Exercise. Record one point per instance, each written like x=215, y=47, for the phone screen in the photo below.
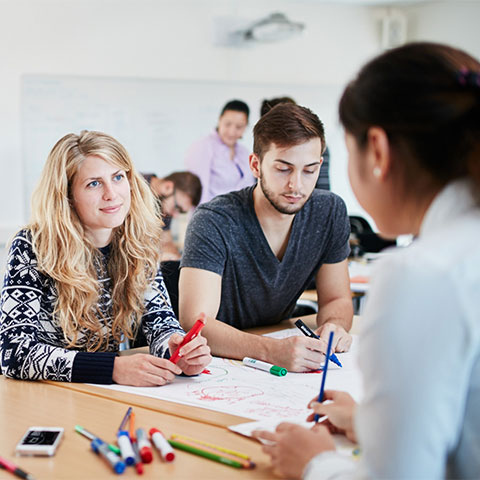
x=40, y=437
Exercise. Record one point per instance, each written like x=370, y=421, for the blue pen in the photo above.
x=123, y=440
x=310, y=333
x=101, y=448
x=324, y=376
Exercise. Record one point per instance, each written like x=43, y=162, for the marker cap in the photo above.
x=279, y=371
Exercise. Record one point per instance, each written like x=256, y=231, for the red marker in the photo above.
x=162, y=444
x=193, y=332
x=144, y=446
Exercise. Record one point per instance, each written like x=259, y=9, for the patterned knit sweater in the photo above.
x=32, y=344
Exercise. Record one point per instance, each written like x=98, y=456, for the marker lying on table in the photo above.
x=144, y=446
x=266, y=367
x=162, y=445
x=133, y=439
x=324, y=376
x=91, y=436
x=12, y=468
x=192, y=333
x=101, y=448
x=124, y=442
x=310, y=333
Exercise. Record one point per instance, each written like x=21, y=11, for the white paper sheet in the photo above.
x=342, y=443
x=233, y=388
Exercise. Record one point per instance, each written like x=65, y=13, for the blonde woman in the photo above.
x=84, y=274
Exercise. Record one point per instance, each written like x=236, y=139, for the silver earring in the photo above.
x=377, y=171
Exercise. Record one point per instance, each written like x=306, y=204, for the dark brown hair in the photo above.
x=188, y=183
x=236, y=106
x=267, y=105
x=426, y=97
x=286, y=125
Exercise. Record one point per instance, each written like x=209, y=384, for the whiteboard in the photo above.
x=155, y=119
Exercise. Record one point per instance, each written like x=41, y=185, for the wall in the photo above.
x=174, y=39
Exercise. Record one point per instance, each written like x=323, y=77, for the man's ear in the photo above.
x=166, y=188
x=378, y=152
x=254, y=162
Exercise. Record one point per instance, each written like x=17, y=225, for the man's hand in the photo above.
x=340, y=411
x=293, y=446
x=298, y=354
x=143, y=370
x=195, y=355
x=342, y=340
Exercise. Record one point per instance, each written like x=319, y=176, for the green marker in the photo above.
x=266, y=367
x=91, y=436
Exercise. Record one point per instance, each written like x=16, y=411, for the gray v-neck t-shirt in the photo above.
x=225, y=237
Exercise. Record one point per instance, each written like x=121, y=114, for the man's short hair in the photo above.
x=267, y=105
x=188, y=183
x=286, y=125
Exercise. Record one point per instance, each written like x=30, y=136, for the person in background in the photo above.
x=178, y=193
x=84, y=274
x=248, y=255
x=412, y=122
x=323, y=181
x=218, y=159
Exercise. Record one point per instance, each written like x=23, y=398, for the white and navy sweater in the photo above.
x=32, y=344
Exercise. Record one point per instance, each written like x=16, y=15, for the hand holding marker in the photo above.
x=192, y=333
x=309, y=333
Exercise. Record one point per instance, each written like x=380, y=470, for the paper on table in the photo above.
x=233, y=388
x=342, y=443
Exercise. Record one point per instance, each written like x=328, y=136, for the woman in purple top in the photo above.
x=218, y=159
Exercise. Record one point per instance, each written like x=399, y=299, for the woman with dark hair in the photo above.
x=412, y=121
x=218, y=159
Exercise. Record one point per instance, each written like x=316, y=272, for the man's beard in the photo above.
x=285, y=209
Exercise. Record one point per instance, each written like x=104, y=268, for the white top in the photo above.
x=420, y=355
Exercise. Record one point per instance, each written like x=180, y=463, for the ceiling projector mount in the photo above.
x=275, y=27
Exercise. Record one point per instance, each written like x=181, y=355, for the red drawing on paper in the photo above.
x=230, y=394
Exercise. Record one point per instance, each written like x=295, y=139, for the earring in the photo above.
x=377, y=171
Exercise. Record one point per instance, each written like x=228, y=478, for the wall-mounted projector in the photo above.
x=237, y=32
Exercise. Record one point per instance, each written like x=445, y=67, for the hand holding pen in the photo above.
x=310, y=333
x=191, y=352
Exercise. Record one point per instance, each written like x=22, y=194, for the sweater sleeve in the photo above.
x=29, y=338
x=159, y=322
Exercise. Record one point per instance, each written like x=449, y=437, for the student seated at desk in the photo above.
x=412, y=121
x=84, y=273
x=248, y=255
x=177, y=193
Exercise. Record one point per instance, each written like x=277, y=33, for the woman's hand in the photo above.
x=293, y=446
x=195, y=355
x=143, y=370
x=340, y=413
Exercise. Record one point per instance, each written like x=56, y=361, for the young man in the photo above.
x=179, y=192
x=249, y=254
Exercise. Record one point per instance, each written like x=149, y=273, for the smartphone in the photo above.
x=40, y=441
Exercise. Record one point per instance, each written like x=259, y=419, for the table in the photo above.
x=24, y=404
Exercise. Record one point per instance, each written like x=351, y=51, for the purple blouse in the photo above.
x=209, y=158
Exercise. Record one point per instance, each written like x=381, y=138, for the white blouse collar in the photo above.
x=456, y=199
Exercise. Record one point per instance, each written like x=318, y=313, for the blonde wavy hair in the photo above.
x=66, y=255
